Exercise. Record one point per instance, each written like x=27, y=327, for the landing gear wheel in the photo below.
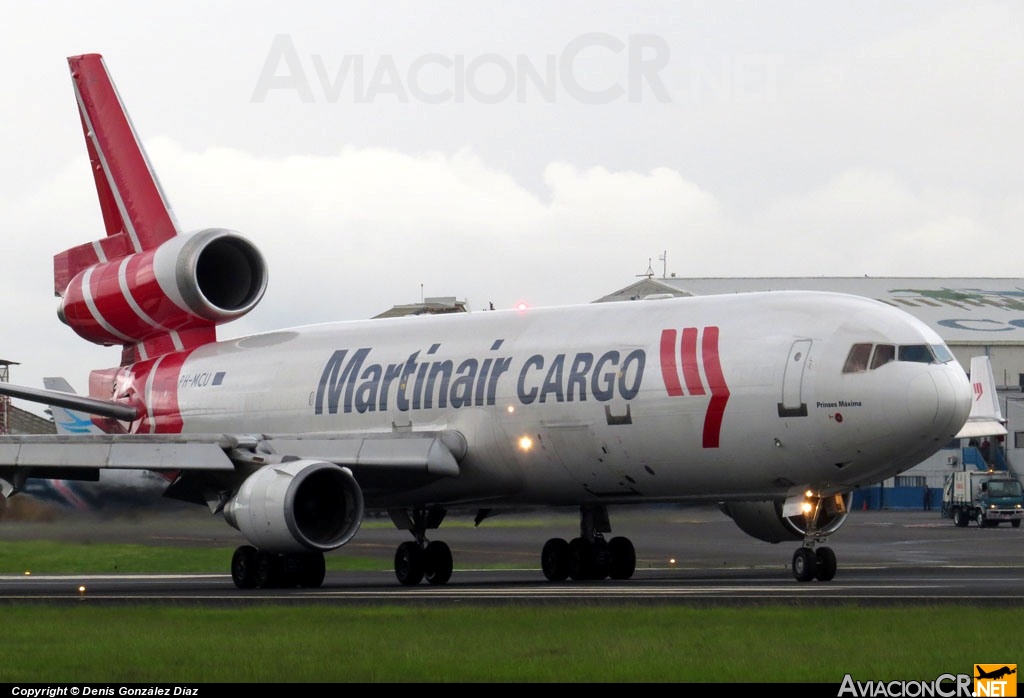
x=804, y=564
x=623, y=562
x=825, y=569
x=268, y=568
x=311, y=570
x=409, y=563
x=243, y=567
x=437, y=562
x=582, y=561
x=554, y=560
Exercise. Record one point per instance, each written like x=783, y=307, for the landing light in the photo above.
x=525, y=443
x=510, y=409
x=806, y=507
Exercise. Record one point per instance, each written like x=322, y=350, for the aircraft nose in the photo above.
x=955, y=396
x=938, y=399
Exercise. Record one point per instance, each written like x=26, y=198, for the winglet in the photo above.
x=135, y=210
x=986, y=418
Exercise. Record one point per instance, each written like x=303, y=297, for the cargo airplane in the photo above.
x=775, y=406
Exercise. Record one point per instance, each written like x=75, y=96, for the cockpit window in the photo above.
x=884, y=353
x=857, y=360
x=863, y=357
x=919, y=353
x=942, y=353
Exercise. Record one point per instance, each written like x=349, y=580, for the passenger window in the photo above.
x=857, y=360
x=884, y=353
x=919, y=353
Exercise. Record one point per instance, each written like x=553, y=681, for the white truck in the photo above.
x=987, y=498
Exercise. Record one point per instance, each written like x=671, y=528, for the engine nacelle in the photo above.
x=298, y=506
x=774, y=522
x=191, y=281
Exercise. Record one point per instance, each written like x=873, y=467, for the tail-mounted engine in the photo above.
x=797, y=518
x=188, y=282
x=299, y=506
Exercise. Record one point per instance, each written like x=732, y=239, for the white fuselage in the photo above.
x=726, y=397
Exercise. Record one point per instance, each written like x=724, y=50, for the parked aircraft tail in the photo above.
x=986, y=418
x=67, y=420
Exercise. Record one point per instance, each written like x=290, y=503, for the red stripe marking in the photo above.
x=157, y=381
x=719, y=390
x=688, y=354
x=669, y=372
x=164, y=391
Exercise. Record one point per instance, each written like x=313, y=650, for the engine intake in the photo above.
x=298, y=506
x=198, y=280
x=768, y=520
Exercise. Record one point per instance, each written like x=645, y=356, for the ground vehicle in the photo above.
x=984, y=496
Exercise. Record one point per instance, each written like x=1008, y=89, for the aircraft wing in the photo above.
x=370, y=456
x=136, y=451
x=433, y=453
x=59, y=398
x=429, y=454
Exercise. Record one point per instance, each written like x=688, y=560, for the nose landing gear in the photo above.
x=808, y=562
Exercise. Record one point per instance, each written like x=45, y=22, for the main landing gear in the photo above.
x=589, y=556
x=416, y=560
x=252, y=568
x=810, y=563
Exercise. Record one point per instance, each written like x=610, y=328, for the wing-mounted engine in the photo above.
x=298, y=506
x=780, y=520
x=189, y=282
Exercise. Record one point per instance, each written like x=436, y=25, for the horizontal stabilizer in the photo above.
x=56, y=398
x=976, y=429
x=986, y=418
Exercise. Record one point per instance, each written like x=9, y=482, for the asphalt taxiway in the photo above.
x=684, y=555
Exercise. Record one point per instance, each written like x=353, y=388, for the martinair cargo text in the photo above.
x=775, y=405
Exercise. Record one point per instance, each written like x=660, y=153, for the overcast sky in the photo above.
x=546, y=152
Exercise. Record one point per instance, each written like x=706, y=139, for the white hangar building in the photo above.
x=975, y=317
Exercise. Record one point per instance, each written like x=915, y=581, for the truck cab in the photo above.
x=987, y=498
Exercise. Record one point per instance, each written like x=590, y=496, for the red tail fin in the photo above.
x=145, y=286
x=135, y=210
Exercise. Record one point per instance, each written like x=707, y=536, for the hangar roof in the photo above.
x=961, y=310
